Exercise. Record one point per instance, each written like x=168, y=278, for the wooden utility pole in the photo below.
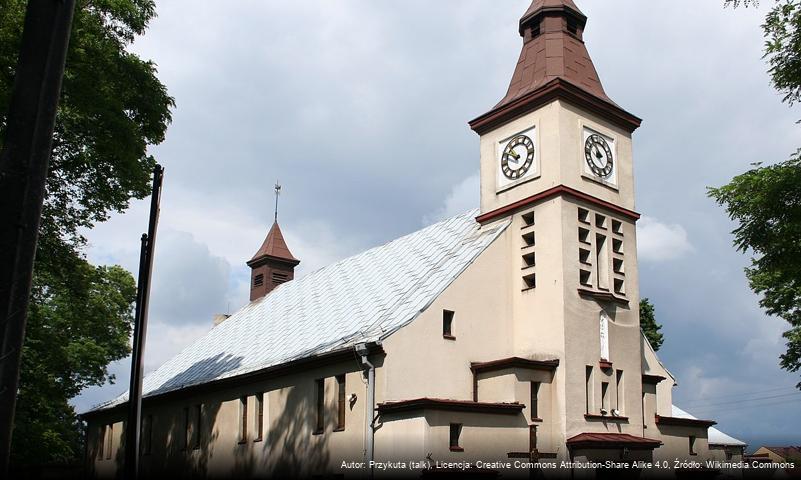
x=24, y=164
x=133, y=425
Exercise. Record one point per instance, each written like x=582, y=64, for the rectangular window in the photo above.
x=692, y=445
x=447, y=324
x=101, y=442
x=456, y=432
x=604, y=397
x=198, y=425
x=588, y=389
x=532, y=438
x=147, y=435
x=535, y=393
x=259, y=416
x=243, y=419
x=602, y=261
x=619, y=390
x=109, y=440
x=258, y=280
x=319, y=387
x=341, y=402
x=187, y=430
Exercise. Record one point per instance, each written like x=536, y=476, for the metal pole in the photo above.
x=133, y=425
x=24, y=163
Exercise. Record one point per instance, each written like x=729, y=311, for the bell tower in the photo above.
x=273, y=264
x=536, y=137
x=556, y=159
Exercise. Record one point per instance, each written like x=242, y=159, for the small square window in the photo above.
x=529, y=239
x=584, y=235
x=584, y=256
x=528, y=219
x=447, y=324
x=456, y=432
x=600, y=221
x=529, y=260
x=583, y=215
x=530, y=281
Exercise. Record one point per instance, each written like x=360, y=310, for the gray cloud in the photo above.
x=360, y=109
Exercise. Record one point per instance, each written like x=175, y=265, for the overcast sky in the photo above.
x=360, y=109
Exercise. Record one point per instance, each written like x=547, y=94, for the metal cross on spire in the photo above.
x=277, y=193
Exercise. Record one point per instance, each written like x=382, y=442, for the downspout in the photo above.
x=369, y=426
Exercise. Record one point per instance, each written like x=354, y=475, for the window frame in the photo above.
x=243, y=419
x=259, y=424
x=319, y=391
x=341, y=401
x=447, y=324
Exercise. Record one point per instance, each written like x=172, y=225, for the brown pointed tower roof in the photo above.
x=554, y=63
x=274, y=247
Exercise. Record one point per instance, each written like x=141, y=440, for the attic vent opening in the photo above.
x=279, y=278
x=258, y=280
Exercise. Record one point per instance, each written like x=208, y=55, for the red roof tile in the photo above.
x=554, y=53
x=274, y=246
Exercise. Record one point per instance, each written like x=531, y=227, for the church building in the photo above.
x=508, y=333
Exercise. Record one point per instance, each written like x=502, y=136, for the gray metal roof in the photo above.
x=363, y=298
x=715, y=436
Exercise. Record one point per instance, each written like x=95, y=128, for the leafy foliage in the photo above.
x=648, y=324
x=766, y=201
x=112, y=107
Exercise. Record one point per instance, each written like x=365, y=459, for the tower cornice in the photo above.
x=556, y=89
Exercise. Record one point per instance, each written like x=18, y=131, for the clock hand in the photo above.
x=514, y=155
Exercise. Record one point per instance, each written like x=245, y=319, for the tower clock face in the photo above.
x=599, y=156
x=517, y=157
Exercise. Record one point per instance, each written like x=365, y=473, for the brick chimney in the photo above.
x=272, y=265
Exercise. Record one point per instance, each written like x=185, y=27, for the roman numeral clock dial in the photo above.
x=598, y=155
x=517, y=157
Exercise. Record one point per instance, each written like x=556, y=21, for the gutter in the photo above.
x=369, y=425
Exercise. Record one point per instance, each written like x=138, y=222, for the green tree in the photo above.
x=765, y=201
x=112, y=108
x=648, y=324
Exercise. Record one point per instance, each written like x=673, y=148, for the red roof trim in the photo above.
x=514, y=362
x=450, y=405
x=684, y=422
x=552, y=192
x=557, y=88
x=611, y=440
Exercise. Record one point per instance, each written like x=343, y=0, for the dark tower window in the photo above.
x=258, y=280
x=572, y=25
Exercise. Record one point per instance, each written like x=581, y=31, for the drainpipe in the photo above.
x=369, y=430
